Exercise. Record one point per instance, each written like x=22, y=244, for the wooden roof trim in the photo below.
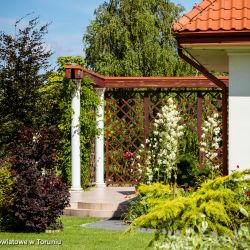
x=215, y=44
x=230, y=37
x=214, y=33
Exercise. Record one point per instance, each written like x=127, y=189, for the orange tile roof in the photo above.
x=216, y=15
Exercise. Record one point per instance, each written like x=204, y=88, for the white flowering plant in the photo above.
x=211, y=141
x=163, y=145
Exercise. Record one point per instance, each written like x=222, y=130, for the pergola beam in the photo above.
x=142, y=82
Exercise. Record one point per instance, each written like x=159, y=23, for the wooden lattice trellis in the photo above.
x=129, y=116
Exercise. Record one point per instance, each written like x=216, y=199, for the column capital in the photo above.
x=100, y=91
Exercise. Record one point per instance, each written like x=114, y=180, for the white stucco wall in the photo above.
x=239, y=110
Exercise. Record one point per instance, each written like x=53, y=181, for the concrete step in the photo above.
x=101, y=206
x=105, y=202
x=92, y=213
x=100, y=210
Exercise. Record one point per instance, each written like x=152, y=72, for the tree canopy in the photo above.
x=23, y=68
x=134, y=38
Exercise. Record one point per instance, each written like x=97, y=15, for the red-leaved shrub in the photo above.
x=40, y=195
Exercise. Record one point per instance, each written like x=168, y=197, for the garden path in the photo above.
x=117, y=225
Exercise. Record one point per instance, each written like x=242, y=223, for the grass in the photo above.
x=75, y=237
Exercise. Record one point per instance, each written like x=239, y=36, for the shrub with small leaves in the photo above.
x=6, y=188
x=24, y=66
x=36, y=149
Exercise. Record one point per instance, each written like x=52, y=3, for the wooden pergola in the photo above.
x=109, y=82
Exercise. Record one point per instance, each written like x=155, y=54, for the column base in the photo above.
x=100, y=185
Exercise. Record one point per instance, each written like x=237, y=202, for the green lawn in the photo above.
x=75, y=237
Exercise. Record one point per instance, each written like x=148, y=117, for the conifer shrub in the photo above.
x=147, y=196
x=223, y=201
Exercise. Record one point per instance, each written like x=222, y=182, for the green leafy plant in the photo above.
x=191, y=175
x=57, y=96
x=6, y=188
x=187, y=170
x=200, y=239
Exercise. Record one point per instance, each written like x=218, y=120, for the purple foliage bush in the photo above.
x=40, y=200
x=40, y=195
x=36, y=149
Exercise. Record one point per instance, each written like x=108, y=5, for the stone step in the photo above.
x=101, y=206
x=73, y=205
x=92, y=213
x=106, y=202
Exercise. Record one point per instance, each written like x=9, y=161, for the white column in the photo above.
x=75, y=138
x=239, y=111
x=99, y=150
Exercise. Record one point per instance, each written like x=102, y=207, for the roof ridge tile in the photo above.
x=192, y=14
x=215, y=15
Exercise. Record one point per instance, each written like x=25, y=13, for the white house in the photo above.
x=215, y=35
